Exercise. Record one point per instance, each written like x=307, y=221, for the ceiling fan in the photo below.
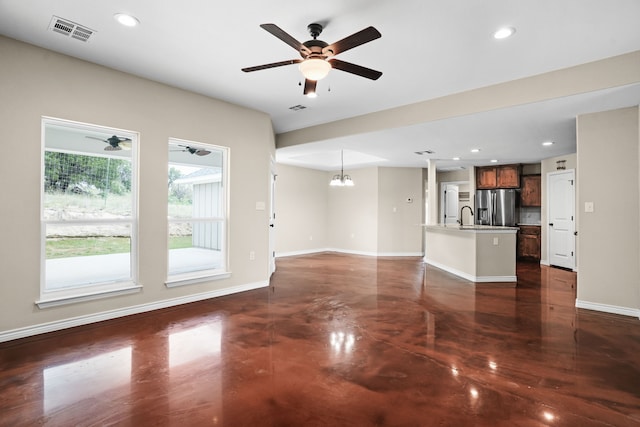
x=318, y=56
x=194, y=150
x=116, y=143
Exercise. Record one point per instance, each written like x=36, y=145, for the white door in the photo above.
x=272, y=221
x=450, y=202
x=561, y=214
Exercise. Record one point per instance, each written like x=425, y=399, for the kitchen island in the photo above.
x=478, y=253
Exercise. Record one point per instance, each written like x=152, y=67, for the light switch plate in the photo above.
x=260, y=206
x=588, y=206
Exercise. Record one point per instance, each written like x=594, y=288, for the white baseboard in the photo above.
x=606, y=308
x=545, y=262
x=470, y=277
x=350, y=252
x=114, y=314
x=302, y=252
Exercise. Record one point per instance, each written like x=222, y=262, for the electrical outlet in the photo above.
x=495, y=241
x=252, y=256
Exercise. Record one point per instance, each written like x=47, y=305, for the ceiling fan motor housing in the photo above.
x=314, y=29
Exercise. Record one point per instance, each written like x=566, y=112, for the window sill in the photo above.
x=192, y=278
x=53, y=301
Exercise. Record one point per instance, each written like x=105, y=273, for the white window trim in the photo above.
x=200, y=276
x=72, y=295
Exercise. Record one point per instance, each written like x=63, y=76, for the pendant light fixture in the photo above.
x=341, y=180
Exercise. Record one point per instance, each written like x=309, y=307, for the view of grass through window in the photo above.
x=88, y=205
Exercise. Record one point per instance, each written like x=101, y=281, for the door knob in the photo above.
x=550, y=224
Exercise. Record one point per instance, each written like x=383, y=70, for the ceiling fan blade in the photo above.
x=355, y=69
x=96, y=138
x=126, y=144
x=349, y=42
x=309, y=86
x=282, y=35
x=272, y=65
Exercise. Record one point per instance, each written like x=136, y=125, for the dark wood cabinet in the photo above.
x=529, y=242
x=505, y=176
x=486, y=177
x=531, y=194
x=508, y=176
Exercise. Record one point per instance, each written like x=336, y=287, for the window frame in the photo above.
x=102, y=289
x=222, y=272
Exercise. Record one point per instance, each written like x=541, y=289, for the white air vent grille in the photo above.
x=70, y=29
x=463, y=196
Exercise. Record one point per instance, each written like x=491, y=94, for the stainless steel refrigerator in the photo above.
x=496, y=207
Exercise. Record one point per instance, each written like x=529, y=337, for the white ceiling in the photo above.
x=428, y=49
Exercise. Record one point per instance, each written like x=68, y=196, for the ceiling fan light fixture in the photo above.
x=314, y=68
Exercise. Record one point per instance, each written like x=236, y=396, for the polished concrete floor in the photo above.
x=340, y=340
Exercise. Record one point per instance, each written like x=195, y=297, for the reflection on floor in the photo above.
x=340, y=340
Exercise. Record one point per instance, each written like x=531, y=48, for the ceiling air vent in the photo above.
x=70, y=29
x=297, y=107
x=420, y=153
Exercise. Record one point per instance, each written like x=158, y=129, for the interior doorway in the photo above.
x=272, y=219
x=561, y=218
x=451, y=194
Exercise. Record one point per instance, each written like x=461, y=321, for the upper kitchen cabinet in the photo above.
x=505, y=176
x=486, y=177
x=531, y=194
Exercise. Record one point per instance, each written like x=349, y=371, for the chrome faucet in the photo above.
x=462, y=210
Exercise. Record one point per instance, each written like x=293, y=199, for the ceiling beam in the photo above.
x=593, y=76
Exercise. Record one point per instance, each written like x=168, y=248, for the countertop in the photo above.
x=471, y=228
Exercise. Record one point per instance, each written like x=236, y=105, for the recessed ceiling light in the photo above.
x=504, y=32
x=547, y=143
x=456, y=158
x=475, y=150
x=493, y=161
x=126, y=20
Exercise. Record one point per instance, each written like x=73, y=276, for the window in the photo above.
x=88, y=212
x=197, y=209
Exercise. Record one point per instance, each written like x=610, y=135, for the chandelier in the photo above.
x=341, y=180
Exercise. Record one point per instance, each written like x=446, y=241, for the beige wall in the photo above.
x=609, y=238
x=358, y=219
x=302, y=197
x=399, y=228
x=35, y=82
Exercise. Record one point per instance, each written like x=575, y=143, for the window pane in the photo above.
x=195, y=246
x=196, y=195
x=78, y=255
x=88, y=210
x=78, y=187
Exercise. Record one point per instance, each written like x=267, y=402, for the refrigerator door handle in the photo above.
x=493, y=209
